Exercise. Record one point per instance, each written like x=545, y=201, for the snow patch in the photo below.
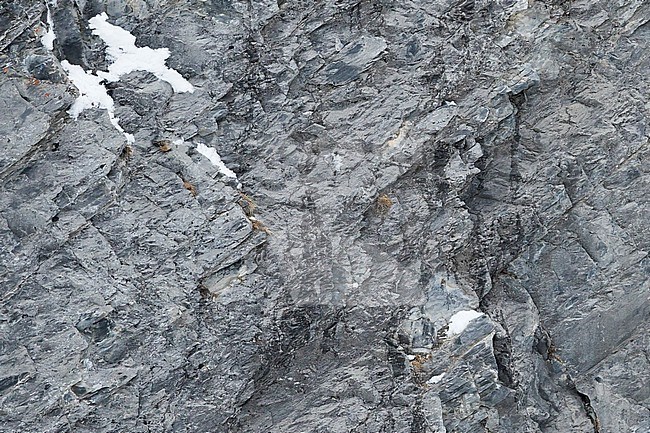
x=92, y=94
x=126, y=57
x=337, y=161
x=436, y=379
x=459, y=321
x=215, y=159
x=48, y=38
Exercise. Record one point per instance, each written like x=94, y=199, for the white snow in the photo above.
x=126, y=57
x=215, y=159
x=115, y=121
x=459, y=321
x=337, y=161
x=436, y=379
x=92, y=94
x=48, y=38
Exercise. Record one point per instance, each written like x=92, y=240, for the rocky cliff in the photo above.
x=324, y=216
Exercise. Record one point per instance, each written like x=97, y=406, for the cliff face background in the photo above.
x=399, y=162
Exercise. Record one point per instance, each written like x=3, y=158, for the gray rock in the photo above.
x=396, y=163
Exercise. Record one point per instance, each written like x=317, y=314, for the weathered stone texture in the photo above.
x=399, y=161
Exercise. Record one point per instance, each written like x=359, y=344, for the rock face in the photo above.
x=439, y=221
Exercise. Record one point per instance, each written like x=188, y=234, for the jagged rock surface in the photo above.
x=399, y=162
